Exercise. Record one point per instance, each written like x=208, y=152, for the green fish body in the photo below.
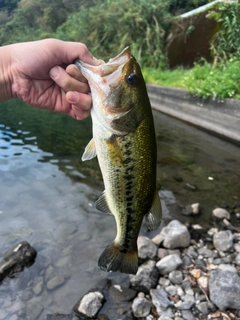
x=125, y=144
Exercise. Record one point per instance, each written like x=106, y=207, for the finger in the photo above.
x=78, y=114
x=75, y=72
x=80, y=100
x=66, y=82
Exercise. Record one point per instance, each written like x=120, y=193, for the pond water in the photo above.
x=47, y=198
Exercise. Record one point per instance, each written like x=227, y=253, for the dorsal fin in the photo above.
x=90, y=151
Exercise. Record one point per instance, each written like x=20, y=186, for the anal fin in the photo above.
x=154, y=216
x=101, y=204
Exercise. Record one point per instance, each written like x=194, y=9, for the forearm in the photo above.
x=5, y=74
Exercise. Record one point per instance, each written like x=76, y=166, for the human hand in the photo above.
x=38, y=75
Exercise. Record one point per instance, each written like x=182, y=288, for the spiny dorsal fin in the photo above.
x=90, y=151
x=101, y=204
x=154, y=216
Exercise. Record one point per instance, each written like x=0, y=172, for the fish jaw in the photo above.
x=106, y=82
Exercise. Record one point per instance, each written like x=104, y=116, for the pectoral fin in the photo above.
x=90, y=151
x=154, y=216
x=101, y=204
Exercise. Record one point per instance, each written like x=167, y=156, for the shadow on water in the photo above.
x=47, y=198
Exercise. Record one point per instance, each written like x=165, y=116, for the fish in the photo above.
x=124, y=142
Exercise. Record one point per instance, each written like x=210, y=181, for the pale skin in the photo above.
x=41, y=74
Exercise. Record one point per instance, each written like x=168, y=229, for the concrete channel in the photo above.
x=219, y=117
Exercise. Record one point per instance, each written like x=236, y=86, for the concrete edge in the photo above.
x=219, y=117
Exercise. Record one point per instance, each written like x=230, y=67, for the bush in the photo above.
x=207, y=81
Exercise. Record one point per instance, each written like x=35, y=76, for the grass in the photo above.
x=203, y=80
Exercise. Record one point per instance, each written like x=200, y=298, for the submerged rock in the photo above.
x=18, y=257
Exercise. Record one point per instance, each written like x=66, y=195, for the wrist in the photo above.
x=5, y=74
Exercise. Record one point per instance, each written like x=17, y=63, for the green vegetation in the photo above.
x=107, y=26
x=204, y=80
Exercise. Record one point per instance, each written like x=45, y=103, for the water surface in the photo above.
x=47, y=198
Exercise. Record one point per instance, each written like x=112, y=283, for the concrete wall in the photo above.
x=220, y=117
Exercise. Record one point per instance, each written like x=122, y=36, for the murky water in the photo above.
x=47, y=198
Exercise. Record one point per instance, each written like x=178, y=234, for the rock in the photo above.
x=55, y=282
x=223, y=240
x=175, y=235
x=171, y=290
x=90, y=304
x=61, y=317
x=146, y=248
x=141, y=307
x=146, y=277
x=169, y=263
x=187, y=315
x=37, y=289
x=237, y=259
x=162, y=253
x=191, y=209
x=205, y=252
x=227, y=267
x=118, y=293
x=203, y=307
x=18, y=257
x=175, y=276
x=221, y=213
x=224, y=289
x=164, y=282
x=160, y=300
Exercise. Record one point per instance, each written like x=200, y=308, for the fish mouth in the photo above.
x=109, y=73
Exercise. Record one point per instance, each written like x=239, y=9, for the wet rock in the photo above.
x=221, y=213
x=55, y=282
x=176, y=276
x=61, y=317
x=146, y=248
x=118, y=293
x=141, y=307
x=223, y=240
x=18, y=257
x=146, y=277
x=191, y=209
x=160, y=300
x=169, y=263
x=90, y=304
x=175, y=235
x=224, y=289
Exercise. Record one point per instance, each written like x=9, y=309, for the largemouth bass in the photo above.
x=125, y=145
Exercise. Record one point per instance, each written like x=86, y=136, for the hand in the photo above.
x=38, y=76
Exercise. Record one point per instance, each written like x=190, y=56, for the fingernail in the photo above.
x=54, y=72
x=73, y=96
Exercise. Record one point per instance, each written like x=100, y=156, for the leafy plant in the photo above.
x=225, y=43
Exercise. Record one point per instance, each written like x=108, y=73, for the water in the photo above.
x=47, y=198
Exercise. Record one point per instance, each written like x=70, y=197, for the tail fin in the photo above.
x=112, y=259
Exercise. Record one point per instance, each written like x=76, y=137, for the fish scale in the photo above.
x=125, y=144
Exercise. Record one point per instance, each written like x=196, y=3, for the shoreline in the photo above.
x=221, y=117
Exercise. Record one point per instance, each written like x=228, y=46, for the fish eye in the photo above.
x=131, y=79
